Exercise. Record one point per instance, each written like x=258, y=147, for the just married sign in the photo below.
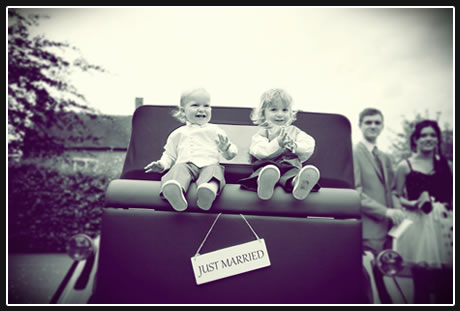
x=230, y=261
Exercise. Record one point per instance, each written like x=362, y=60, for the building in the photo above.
x=104, y=149
x=101, y=147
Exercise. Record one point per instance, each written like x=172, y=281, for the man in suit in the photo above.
x=374, y=180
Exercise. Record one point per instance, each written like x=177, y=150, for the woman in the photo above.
x=424, y=185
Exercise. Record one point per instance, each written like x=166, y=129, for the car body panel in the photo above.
x=314, y=245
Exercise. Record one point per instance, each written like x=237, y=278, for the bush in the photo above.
x=46, y=207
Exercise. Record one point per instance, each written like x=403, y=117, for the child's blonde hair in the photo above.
x=267, y=98
x=186, y=96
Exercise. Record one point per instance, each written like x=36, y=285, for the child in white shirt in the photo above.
x=280, y=149
x=192, y=154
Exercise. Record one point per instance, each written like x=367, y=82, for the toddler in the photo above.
x=192, y=154
x=280, y=150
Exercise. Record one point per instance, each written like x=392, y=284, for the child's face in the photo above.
x=197, y=111
x=278, y=113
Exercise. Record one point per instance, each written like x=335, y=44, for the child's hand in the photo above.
x=282, y=137
x=224, y=147
x=154, y=166
x=223, y=143
x=291, y=145
x=284, y=140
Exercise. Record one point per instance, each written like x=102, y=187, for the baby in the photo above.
x=280, y=149
x=192, y=154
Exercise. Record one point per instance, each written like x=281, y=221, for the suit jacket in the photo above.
x=375, y=191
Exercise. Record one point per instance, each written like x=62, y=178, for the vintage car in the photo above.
x=145, y=251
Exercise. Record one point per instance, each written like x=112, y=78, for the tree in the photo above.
x=40, y=97
x=401, y=144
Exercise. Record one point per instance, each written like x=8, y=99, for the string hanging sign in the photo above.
x=229, y=261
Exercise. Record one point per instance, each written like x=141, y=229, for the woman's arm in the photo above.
x=401, y=173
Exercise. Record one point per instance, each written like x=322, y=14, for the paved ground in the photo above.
x=34, y=278
x=406, y=295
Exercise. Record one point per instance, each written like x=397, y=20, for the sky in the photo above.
x=330, y=59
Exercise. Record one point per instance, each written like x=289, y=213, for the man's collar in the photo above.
x=369, y=146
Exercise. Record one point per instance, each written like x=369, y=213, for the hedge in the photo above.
x=46, y=207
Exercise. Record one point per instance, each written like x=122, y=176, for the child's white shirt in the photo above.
x=262, y=147
x=194, y=143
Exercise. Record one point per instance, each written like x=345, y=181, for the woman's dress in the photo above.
x=429, y=238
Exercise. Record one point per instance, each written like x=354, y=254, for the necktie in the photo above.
x=375, y=152
x=378, y=160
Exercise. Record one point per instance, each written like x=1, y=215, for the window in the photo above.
x=80, y=163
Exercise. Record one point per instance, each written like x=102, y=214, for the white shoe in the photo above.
x=268, y=177
x=173, y=192
x=305, y=181
x=206, y=195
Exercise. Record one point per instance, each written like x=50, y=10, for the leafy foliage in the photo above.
x=401, y=143
x=46, y=207
x=39, y=93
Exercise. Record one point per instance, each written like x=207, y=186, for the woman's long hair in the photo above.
x=419, y=126
x=439, y=161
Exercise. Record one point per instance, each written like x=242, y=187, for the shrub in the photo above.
x=46, y=207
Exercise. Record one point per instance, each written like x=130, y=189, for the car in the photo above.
x=290, y=251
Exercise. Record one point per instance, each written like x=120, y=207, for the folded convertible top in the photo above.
x=151, y=126
x=328, y=202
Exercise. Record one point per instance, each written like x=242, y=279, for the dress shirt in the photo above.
x=374, y=151
x=262, y=147
x=194, y=143
x=369, y=146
